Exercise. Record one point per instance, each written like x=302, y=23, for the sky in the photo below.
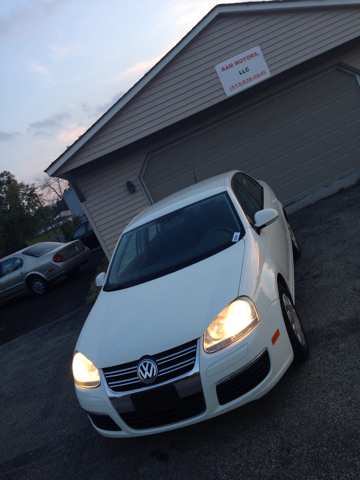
x=63, y=63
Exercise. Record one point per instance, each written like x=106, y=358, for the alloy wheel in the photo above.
x=294, y=320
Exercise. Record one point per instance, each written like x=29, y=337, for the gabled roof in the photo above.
x=253, y=7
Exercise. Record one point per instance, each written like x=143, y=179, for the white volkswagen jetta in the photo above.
x=196, y=315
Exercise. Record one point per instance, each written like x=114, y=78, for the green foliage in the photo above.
x=45, y=237
x=68, y=226
x=94, y=291
x=19, y=213
x=58, y=206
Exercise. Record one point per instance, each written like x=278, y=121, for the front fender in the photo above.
x=32, y=274
x=260, y=272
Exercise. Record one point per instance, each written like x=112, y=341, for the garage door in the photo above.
x=303, y=139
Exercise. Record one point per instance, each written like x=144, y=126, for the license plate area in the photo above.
x=72, y=251
x=156, y=400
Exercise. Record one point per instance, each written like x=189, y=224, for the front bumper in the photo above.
x=217, y=383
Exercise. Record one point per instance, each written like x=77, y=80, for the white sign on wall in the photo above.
x=242, y=71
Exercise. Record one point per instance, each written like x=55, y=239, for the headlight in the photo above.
x=232, y=323
x=86, y=375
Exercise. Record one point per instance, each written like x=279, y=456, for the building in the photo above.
x=74, y=205
x=271, y=88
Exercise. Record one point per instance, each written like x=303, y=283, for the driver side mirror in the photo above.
x=100, y=279
x=266, y=217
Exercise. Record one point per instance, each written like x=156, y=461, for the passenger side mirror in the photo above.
x=263, y=218
x=100, y=279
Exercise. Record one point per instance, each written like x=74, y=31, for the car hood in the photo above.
x=149, y=318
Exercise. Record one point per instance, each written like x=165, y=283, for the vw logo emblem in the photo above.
x=147, y=370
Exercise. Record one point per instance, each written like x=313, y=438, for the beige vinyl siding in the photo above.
x=189, y=83
x=352, y=57
x=303, y=139
x=109, y=204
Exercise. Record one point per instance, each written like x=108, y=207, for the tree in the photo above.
x=52, y=188
x=19, y=213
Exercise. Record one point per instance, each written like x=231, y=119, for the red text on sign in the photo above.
x=247, y=80
x=239, y=61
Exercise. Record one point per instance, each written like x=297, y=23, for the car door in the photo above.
x=89, y=238
x=86, y=234
x=12, y=275
x=79, y=233
x=273, y=239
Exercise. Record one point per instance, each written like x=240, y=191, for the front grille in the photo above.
x=104, y=422
x=171, y=364
x=189, y=407
x=245, y=380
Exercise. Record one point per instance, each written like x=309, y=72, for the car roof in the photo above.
x=182, y=198
x=21, y=252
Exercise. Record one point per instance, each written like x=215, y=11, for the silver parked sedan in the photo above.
x=35, y=267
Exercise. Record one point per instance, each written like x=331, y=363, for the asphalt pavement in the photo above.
x=307, y=427
x=27, y=312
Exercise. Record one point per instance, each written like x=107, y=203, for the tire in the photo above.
x=295, y=244
x=293, y=325
x=38, y=285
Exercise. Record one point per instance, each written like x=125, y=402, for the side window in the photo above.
x=131, y=250
x=249, y=194
x=10, y=265
x=80, y=231
x=137, y=245
x=153, y=231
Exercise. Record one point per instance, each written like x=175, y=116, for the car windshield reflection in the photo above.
x=174, y=241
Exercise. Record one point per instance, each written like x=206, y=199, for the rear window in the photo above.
x=175, y=241
x=41, y=249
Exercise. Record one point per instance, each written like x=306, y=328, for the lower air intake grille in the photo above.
x=190, y=406
x=171, y=364
x=104, y=422
x=244, y=380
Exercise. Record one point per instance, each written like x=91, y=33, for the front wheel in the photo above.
x=293, y=325
x=38, y=285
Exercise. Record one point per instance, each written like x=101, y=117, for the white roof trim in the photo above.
x=265, y=6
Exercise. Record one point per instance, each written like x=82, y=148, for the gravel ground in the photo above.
x=307, y=427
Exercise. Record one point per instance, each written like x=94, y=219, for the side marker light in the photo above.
x=275, y=337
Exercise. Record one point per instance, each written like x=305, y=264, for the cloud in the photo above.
x=41, y=133
x=48, y=126
x=132, y=75
x=189, y=14
x=58, y=52
x=21, y=17
x=5, y=136
x=140, y=68
x=71, y=133
x=44, y=73
x=98, y=110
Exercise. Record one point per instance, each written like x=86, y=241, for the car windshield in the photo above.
x=41, y=249
x=174, y=241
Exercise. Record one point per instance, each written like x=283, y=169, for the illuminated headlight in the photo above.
x=86, y=375
x=232, y=323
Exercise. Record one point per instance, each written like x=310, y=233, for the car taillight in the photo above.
x=83, y=246
x=58, y=258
